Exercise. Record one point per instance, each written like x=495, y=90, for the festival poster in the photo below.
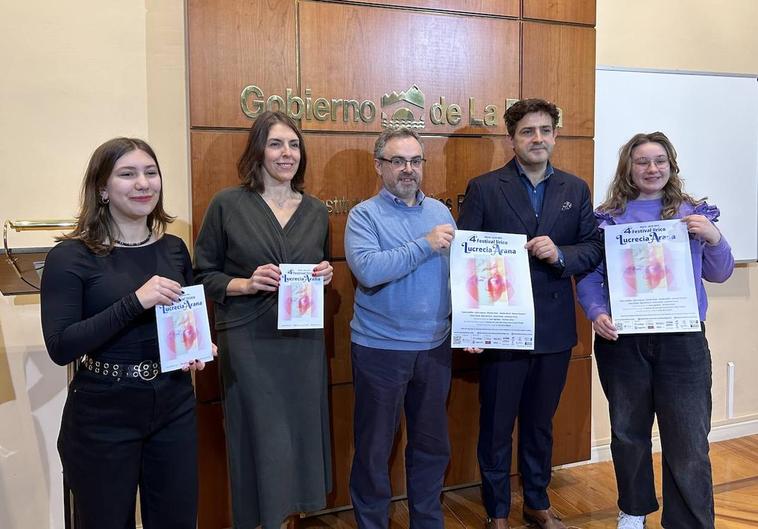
x=184, y=333
x=650, y=279
x=491, y=291
x=301, y=298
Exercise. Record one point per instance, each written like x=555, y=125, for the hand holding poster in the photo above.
x=184, y=334
x=650, y=280
x=301, y=298
x=491, y=291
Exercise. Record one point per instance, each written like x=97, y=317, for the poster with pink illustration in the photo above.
x=301, y=298
x=650, y=279
x=184, y=333
x=491, y=291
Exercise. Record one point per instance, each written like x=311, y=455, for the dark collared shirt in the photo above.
x=536, y=193
x=537, y=197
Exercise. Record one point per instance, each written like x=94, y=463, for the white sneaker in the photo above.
x=627, y=521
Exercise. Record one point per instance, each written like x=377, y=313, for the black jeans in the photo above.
x=116, y=435
x=668, y=376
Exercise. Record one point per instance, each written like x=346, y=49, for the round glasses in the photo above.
x=660, y=163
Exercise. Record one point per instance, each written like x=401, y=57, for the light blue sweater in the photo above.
x=403, y=297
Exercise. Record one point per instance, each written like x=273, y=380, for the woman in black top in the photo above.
x=124, y=424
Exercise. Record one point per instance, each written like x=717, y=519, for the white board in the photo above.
x=712, y=120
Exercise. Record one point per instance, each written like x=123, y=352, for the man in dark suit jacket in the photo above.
x=554, y=210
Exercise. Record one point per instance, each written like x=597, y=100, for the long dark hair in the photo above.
x=94, y=221
x=622, y=188
x=250, y=166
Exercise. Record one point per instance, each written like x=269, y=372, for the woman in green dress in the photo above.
x=275, y=381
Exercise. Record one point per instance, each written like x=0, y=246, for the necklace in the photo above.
x=140, y=243
x=279, y=203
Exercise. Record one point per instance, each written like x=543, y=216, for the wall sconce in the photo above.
x=21, y=269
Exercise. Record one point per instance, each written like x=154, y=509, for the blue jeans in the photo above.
x=386, y=382
x=667, y=376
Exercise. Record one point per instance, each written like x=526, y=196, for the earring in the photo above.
x=104, y=200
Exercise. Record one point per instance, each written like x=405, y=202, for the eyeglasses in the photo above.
x=660, y=163
x=398, y=162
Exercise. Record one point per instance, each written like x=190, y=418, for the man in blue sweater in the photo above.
x=397, y=246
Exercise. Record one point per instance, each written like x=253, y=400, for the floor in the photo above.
x=585, y=496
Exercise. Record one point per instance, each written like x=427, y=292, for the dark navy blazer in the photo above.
x=498, y=202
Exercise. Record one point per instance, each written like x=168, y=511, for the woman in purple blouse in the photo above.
x=666, y=375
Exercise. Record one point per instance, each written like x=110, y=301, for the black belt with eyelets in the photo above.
x=146, y=370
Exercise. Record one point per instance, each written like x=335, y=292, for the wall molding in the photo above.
x=720, y=431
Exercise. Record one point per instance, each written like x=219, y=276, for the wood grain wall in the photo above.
x=453, y=50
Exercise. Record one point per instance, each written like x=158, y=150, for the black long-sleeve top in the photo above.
x=89, y=305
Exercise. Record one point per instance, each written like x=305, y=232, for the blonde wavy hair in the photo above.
x=622, y=188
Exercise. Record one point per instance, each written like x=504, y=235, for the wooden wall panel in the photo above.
x=576, y=156
x=452, y=162
x=215, y=497
x=341, y=404
x=341, y=168
x=463, y=418
x=338, y=313
x=571, y=427
x=340, y=172
x=572, y=422
x=577, y=11
x=507, y=8
x=233, y=43
x=387, y=50
x=352, y=50
x=583, y=348
x=561, y=68
x=213, y=162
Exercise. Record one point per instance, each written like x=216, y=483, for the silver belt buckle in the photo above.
x=146, y=371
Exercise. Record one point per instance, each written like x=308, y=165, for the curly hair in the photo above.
x=622, y=188
x=521, y=108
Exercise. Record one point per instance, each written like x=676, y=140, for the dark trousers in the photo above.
x=528, y=386
x=385, y=383
x=668, y=376
x=118, y=435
